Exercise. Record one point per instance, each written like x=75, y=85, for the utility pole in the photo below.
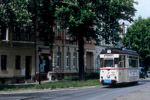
x=142, y=47
x=35, y=35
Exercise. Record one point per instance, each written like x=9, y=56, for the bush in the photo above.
x=67, y=78
x=53, y=86
x=92, y=76
x=73, y=78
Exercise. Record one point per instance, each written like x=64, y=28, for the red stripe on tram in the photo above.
x=118, y=69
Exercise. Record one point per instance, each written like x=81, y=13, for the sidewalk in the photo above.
x=20, y=85
x=34, y=83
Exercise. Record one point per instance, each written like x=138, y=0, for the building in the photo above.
x=64, y=58
x=21, y=56
x=16, y=55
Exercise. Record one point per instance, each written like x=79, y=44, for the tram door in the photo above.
x=122, y=65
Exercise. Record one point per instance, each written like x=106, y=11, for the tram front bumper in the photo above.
x=108, y=81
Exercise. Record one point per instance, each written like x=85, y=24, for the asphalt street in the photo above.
x=88, y=93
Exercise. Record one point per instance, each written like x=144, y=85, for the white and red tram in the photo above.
x=119, y=66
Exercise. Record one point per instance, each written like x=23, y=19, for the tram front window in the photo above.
x=108, y=63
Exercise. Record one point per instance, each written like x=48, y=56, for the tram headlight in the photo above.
x=115, y=77
x=101, y=77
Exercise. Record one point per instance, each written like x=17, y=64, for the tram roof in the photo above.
x=120, y=51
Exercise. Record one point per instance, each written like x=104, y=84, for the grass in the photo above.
x=52, y=85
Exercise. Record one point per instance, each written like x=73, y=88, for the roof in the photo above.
x=120, y=51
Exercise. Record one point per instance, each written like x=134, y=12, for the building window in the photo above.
x=74, y=60
x=16, y=34
x=89, y=40
x=67, y=33
x=58, y=30
x=68, y=60
x=3, y=62
x=18, y=62
x=27, y=34
x=3, y=32
x=58, y=60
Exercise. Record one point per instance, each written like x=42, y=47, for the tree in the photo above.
x=137, y=38
x=108, y=15
x=15, y=12
x=78, y=16
x=46, y=19
x=43, y=12
x=82, y=15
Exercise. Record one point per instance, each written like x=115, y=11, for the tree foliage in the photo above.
x=138, y=36
x=46, y=11
x=77, y=14
x=108, y=15
x=104, y=14
x=15, y=12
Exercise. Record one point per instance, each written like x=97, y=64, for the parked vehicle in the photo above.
x=148, y=73
x=143, y=73
x=119, y=66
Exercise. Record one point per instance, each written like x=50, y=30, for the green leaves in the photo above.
x=108, y=14
x=15, y=11
x=46, y=18
x=138, y=36
x=73, y=14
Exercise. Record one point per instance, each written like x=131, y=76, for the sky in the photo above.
x=143, y=9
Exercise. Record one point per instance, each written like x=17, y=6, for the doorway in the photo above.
x=89, y=62
x=28, y=64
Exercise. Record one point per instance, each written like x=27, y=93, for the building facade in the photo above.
x=16, y=55
x=64, y=58
x=21, y=57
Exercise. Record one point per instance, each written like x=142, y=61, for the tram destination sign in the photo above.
x=109, y=55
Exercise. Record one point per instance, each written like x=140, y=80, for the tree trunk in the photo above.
x=81, y=57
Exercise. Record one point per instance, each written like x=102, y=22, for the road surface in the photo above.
x=88, y=93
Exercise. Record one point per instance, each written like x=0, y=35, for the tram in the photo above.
x=119, y=66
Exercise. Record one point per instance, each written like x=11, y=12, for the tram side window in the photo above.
x=116, y=61
x=121, y=61
x=133, y=62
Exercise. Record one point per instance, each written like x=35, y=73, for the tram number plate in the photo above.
x=107, y=81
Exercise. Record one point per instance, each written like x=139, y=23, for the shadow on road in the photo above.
x=145, y=80
x=123, y=85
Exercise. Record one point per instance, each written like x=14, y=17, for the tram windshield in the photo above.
x=113, y=62
x=108, y=63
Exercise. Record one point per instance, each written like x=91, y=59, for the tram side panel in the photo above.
x=121, y=76
x=115, y=76
x=133, y=75
x=132, y=69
